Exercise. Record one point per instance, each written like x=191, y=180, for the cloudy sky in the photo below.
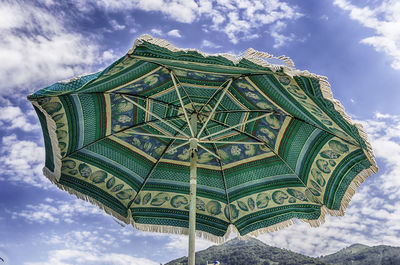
x=356, y=43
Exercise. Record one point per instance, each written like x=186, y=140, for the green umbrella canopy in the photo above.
x=273, y=144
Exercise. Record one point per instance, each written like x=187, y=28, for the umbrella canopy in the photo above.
x=269, y=142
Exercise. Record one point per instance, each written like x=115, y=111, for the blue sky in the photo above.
x=355, y=43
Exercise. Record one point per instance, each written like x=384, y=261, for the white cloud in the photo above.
x=174, y=33
x=57, y=211
x=209, y=44
x=94, y=245
x=22, y=161
x=276, y=33
x=156, y=32
x=384, y=20
x=238, y=19
x=115, y=25
x=180, y=243
x=74, y=256
x=12, y=117
x=37, y=47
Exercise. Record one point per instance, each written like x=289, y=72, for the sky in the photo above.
x=355, y=43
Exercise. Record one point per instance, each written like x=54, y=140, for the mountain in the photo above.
x=248, y=251
x=364, y=255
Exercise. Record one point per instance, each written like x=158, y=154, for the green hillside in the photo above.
x=364, y=255
x=248, y=252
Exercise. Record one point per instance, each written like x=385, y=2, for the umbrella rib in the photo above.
x=234, y=126
x=213, y=95
x=272, y=150
x=216, y=106
x=152, y=170
x=142, y=97
x=223, y=178
x=184, y=90
x=322, y=129
x=229, y=142
x=180, y=100
x=160, y=135
x=294, y=117
x=155, y=115
x=208, y=151
x=115, y=133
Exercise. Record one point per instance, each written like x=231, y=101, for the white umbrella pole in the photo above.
x=192, y=207
x=193, y=187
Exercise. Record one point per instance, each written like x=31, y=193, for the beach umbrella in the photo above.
x=177, y=141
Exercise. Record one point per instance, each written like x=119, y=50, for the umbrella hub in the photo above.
x=193, y=144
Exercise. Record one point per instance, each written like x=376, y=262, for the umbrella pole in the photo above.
x=193, y=186
x=192, y=206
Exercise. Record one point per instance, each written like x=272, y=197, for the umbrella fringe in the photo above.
x=252, y=55
x=165, y=44
x=51, y=128
x=166, y=229
x=272, y=228
x=327, y=94
x=259, y=57
x=84, y=197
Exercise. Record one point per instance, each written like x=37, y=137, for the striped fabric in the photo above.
x=295, y=154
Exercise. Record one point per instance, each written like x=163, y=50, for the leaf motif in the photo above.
x=200, y=205
x=262, y=200
x=273, y=121
x=68, y=164
x=84, y=170
x=279, y=197
x=117, y=188
x=234, y=212
x=59, y=125
x=315, y=185
x=62, y=145
x=178, y=200
x=329, y=154
x=317, y=175
x=98, y=176
x=61, y=134
x=146, y=198
x=297, y=194
x=213, y=207
x=250, y=203
x=125, y=194
x=52, y=107
x=137, y=200
x=242, y=206
x=338, y=146
x=58, y=117
x=323, y=165
x=160, y=199
x=110, y=183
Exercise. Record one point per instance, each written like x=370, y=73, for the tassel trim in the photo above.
x=181, y=231
x=51, y=128
x=84, y=197
x=252, y=55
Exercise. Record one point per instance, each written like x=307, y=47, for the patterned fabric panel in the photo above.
x=275, y=215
